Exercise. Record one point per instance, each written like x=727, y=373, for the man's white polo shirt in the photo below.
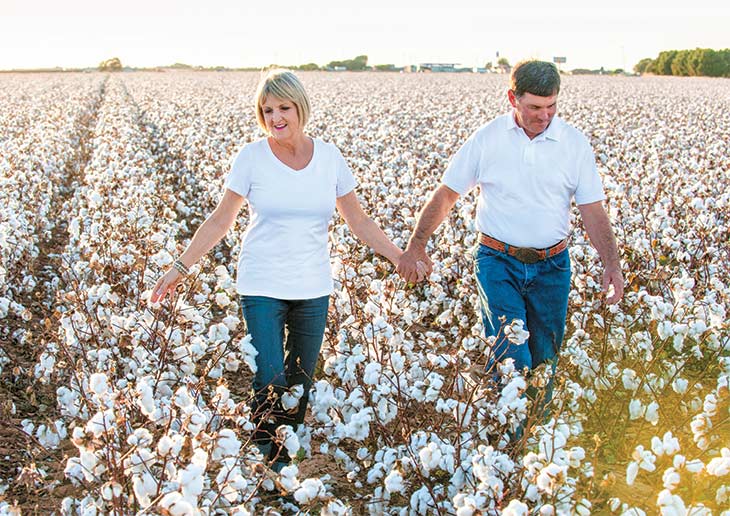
x=526, y=186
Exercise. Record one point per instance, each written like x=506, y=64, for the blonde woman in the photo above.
x=292, y=184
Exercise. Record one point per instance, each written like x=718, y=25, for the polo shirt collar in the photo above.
x=551, y=133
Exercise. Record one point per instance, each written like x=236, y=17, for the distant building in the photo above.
x=442, y=67
x=437, y=67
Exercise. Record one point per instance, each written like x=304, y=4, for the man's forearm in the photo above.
x=432, y=215
x=601, y=234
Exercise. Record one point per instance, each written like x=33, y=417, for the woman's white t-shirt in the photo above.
x=284, y=252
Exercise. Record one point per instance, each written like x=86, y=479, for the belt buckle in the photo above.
x=526, y=255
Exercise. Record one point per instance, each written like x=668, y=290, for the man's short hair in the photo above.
x=284, y=85
x=540, y=78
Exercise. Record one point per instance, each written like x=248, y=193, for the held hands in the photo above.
x=165, y=285
x=613, y=280
x=414, y=265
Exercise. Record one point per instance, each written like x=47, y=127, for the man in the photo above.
x=529, y=165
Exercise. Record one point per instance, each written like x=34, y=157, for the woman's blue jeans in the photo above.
x=288, y=336
x=536, y=293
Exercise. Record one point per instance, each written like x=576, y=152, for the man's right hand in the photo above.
x=414, y=264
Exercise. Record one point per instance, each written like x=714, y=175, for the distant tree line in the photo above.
x=597, y=71
x=358, y=64
x=698, y=62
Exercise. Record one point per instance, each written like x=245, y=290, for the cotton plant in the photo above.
x=155, y=386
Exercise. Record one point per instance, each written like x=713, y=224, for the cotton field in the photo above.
x=110, y=406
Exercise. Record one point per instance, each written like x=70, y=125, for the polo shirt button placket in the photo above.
x=528, y=155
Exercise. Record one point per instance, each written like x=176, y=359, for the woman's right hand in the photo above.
x=166, y=284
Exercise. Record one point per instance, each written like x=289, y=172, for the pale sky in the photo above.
x=81, y=33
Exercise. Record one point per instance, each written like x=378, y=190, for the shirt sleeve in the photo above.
x=590, y=187
x=346, y=181
x=239, y=176
x=463, y=171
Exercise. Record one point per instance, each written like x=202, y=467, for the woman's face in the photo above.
x=281, y=117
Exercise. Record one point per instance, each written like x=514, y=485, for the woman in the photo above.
x=292, y=183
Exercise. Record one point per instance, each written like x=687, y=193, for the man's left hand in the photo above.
x=613, y=278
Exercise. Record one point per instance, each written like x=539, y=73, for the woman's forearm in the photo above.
x=213, y=229
x=208, y=234
x=371, y=234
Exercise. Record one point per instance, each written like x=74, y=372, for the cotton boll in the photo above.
x=575, y=456
x=222, y=300
x=722, y=495
x=670, y=444
x=631, y=471
x=656, y=446
x=679, y=385
x=358, y=428
x=652, y=413
x=630, y=380
x=170, y=445
x=670, y=479
x=694, y=465
x=309, y=490
x=516, y=508
x=231, y=322
x=101, y=422
x=516, y=333
x=550, y=478
x=183, y=398
x=98, y=384
x=176, y=505
x=636, y=409
x=710, y=405
x=141, y=437
x=191, y=481
x=111, y=490
x=335, y=508
x=645, y=458
x=290, y=399
x=372, y=373
x=720, y=466
x=162, y=259
x=288, y=478
x=227, y=445
x=218, y=333
x=430, y=456
x=144, y=487
x=249, y=353
x=74, y=470
x=670, y=505
x=289, y=440
x=394, y=482
x=195, y=421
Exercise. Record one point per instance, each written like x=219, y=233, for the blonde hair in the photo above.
x=284, y=85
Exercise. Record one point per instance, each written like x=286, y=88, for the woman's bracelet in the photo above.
x=180, y=266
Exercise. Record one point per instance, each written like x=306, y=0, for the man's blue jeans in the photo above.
x=536, y=293
x=288, y=336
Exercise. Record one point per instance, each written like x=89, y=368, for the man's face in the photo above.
x=532, y=112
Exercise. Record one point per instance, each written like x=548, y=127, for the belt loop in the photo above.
x=506, y=248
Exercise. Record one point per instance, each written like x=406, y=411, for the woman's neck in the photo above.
x=294, y=146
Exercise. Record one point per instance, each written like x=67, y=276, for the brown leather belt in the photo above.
x=523, y=254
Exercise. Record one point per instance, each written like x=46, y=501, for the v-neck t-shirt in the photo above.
x=284, y=252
